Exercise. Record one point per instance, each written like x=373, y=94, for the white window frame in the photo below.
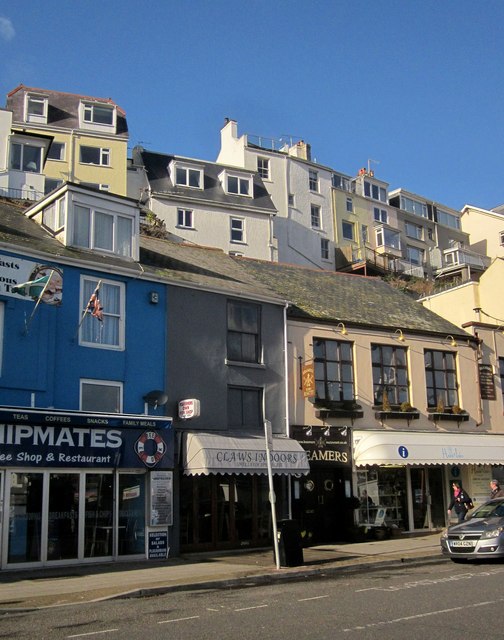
x=92, y=231
x=413, y=206
x=103, y=153
x=40, y=118
x=185, y=218
x=53, y=216
x=23, y=146
x=263, y=167
x=349, y=205
x=96, y=185
x=316, y=216
x=374, y=191
x=244, y=186
x=501, y=235
x=62, y=151
x=179, y=170
x=237, y=226
x=448, y=219
x=100, y=383
x=87, y=116
x=382, y=236
x=98, y=328
x=313, y=180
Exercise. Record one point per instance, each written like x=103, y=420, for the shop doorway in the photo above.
x=428, y=511
x=321, y=507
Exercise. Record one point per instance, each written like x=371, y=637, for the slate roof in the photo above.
x=354, y=300
x=179, y=264
x=156, y=166
x=202, y=267
x=63, y=108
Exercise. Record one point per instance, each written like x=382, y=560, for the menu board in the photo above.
x=161, y=504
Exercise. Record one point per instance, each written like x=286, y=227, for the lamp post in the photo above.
x=268, y=436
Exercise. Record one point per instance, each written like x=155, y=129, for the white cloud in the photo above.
x=7, y=32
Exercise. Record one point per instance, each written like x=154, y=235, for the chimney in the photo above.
x=301, y=150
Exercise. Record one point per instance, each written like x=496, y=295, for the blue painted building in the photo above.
x=86, y=453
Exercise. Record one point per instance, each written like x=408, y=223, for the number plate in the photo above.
x=463, y=543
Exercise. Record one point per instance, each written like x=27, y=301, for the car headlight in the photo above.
x=492, y=533
x=444, y=535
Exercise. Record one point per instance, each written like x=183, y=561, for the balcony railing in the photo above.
x=21, y=194
x=464, y=257
x=409, y=269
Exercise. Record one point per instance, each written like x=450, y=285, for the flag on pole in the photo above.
x=94, y=305
x=33, y=288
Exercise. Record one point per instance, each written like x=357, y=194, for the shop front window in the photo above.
x=25, y=517
x=98, y=525
x=383, y=497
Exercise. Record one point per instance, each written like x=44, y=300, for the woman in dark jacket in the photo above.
x=459, y=501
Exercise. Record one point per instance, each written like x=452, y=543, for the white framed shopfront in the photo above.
x=76, y=487
x=409, y=473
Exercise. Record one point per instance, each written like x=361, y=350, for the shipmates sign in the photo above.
x=74, y=439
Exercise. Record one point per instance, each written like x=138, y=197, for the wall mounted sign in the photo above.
x=486, y=382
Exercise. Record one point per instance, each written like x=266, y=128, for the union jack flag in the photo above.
x=94, y=306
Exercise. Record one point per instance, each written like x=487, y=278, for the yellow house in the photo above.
x=486, y=229
x=478, y=308
x=89, y=138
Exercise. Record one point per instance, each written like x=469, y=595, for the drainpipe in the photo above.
x=287, y=419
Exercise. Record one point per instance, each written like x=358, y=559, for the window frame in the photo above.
x=33, y=98
x=187, y=171
x=263, y=167
x=244, y=186
x=390, y=380
x=349, y=205
x=90, y=227
x=62, y=151
x=183, y=216
x=316, y=216
x=100, y=383
x=93, y=326
x=421, y=254
x=380, y=215
x=382, y=236
x=433, y=375
x=350, y=225
x=414, y=231
x=235, y=231
x=501, y=236
x=88, y=112
x=324, y=249
x=313, y=180
x=243, y=343
x=255, y=396
x=23, y=163
x=341, y=366
x=104, y=155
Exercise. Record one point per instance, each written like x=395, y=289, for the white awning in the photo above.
x=208, y=453
x=401, y=448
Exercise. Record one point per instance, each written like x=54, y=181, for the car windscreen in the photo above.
x=489, y=510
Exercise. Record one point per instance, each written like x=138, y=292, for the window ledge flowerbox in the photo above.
x=397, y=415
x=337, y=409
x=449, y=416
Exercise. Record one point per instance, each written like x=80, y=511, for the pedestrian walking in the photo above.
x=495, y=490
x=459, y=502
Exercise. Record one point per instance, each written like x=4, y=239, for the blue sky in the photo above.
x=415, y=86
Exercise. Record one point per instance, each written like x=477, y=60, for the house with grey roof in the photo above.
x=384, y=397
x=205, y=203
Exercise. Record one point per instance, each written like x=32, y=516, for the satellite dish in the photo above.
x=156, y=398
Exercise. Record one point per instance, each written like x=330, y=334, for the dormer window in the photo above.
x=188, y=177
x=236, y=184
x=36, y=109
x=102, y=230
x=98, y=117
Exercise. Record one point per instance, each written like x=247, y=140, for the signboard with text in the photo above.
x=76, y=439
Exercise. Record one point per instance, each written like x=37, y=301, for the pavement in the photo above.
x=32, y=589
